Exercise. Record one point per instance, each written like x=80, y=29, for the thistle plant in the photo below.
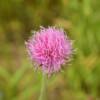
x=49, y=49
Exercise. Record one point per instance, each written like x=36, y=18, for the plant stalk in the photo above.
x=43, y=88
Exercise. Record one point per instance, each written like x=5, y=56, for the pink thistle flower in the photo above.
x=49, y=48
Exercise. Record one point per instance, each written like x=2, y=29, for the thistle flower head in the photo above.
x=49, y=48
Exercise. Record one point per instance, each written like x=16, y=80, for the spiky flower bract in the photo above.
x=50, y=48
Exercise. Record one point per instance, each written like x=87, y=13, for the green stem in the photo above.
x=43, y=88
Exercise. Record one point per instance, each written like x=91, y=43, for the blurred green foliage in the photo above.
x=80, y=19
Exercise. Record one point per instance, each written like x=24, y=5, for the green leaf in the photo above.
x=18, y=76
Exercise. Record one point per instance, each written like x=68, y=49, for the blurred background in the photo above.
x=81, y=21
